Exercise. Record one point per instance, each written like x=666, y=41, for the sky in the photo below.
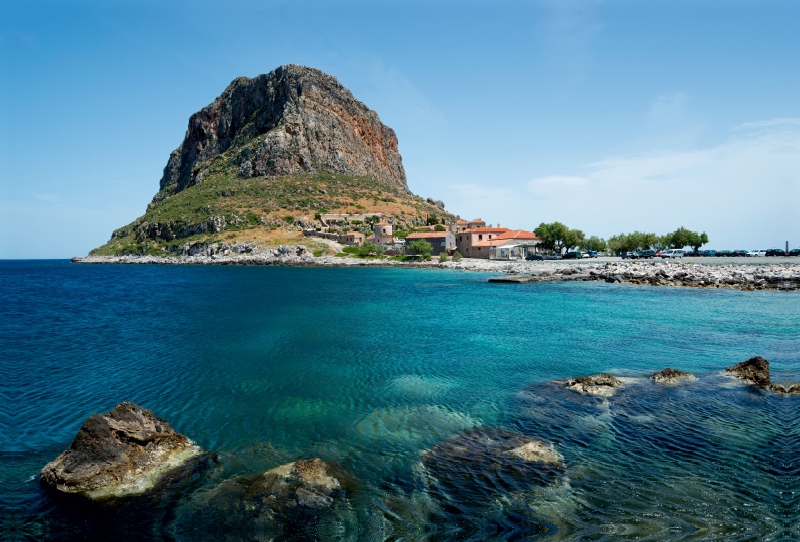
x=609, y=116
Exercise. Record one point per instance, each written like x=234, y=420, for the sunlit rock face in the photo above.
x=123, y=452
x=291, y=120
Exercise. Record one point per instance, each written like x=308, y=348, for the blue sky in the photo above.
x=609, y=116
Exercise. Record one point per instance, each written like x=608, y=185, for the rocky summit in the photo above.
x=291, y=120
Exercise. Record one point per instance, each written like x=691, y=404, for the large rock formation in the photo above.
x=125, y=451
x=670, y=375
x=599, y=384
x=291, y=120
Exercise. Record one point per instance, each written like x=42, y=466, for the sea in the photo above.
x=398, y=378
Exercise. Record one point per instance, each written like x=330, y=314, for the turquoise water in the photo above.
x=366, y=368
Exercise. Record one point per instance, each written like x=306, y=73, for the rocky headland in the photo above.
x=266, y=159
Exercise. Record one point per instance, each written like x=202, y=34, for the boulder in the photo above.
x=599, y=384
x=125, y=451
x=753, y=371
x=295, y=501
x=670, y=375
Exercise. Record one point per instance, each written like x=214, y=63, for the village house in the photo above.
x=496, y=243
x=353, y=238
x=513, y=245
x=470, y=242
x=441, y=241
x=382, y=233
x=461, y=225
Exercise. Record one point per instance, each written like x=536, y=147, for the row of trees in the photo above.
x=557, y=237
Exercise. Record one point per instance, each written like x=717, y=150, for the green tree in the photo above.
x=556, y=236
x=443, y=257
x=421, y=247
x=594, y=243
x=370, y=249
x=457, y=256
x=683, y=237
x=439, y=227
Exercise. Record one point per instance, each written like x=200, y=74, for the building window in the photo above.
x=480, y=238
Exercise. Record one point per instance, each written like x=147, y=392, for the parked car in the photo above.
x=775, y=252
x=672, y=253
x=794, y=252
x=693, y=254
x=647, y=254
x=755, y=253
x=590, y=254
x=627, y=256
x=532, y=257
x=724, y=253
x=573, y=255
x=740, y=253
x=659, y=253
x=553, y=257
x=709, y=253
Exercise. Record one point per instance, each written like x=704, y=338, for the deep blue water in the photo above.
x=366, y=368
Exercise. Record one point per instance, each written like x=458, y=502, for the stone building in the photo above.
x=353, y=238
x=441, y=241
x=470, y=242
x=382, y=233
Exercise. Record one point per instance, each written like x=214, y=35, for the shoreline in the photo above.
x=772, y=276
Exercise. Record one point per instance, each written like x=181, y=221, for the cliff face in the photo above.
x=291, y=120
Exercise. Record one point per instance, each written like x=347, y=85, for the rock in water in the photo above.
x=670, y=375
x=303, y=500
x=754, y=371
x=600, y=384
x=785, y=390
x=123, y=452
x=486, y=462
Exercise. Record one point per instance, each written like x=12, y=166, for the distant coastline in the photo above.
x=772, y=276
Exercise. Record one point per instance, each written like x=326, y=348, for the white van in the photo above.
x=672, y=253
x=756, y=253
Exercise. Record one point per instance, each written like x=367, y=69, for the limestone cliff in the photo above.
x=291, y=120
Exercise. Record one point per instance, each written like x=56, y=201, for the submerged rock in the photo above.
x=780, y=388
x=670, y=375
x=125, y=451
x=599, y=384
x=484, y=462
x=303, y=499
x=754, y=371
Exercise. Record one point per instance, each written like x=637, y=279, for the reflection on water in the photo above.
x=414, y=395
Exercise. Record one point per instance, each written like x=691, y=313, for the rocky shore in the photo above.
x=778, y=276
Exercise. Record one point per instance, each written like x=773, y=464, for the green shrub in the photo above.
x=439, y=227
x=318, y=253
x=457, y=256
x=370, y=249
x=351, y=250
x=443, y=257
x=421, y=247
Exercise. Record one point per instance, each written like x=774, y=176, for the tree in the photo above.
x=369, y=249
x=439, y=227
x=421, y=247
x=457, y=256
x=443, y=257
x=556, y=236
x=686, y=238
x=594, y=244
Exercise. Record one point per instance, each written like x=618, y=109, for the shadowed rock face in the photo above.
x=670, y=375
x=599, y=384
x=291, y=120
x=124, y=451
x=754, y=371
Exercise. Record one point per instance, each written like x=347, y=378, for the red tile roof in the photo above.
x=382, y=223
x=355, y=233
x=429, y=235
x=517, y=234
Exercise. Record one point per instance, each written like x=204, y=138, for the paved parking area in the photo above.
x=761, y=260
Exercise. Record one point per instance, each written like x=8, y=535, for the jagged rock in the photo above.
x=307, y=122
x=670, y=375
x=782, y=389
x=305, y=483
x=125, y=451
x=599, y=384
x=754, y=371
